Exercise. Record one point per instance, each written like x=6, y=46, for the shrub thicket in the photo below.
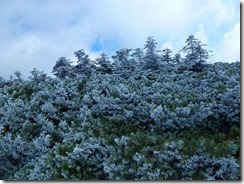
x=162, y=122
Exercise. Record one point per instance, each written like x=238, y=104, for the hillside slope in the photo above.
x=152, y=124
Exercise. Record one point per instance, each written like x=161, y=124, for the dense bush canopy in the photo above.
x=145, y=116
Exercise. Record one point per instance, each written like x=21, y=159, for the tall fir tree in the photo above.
x=62, y=68
x=83, y=63
x=104, y=64
x=167, y=56
x=196, y=55
x=151, y=58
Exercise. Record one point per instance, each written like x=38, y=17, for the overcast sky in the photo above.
x=35, y=33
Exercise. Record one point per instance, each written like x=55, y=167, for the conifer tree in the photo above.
x=137, y=56
x=190, y=48
x=18, y=75
x=62, y=68
x=151, y=58
x=38, y=76
x=167, y=56
x=124, y=65
x=177, y=58
x=196, y=55
x=104, y=64
x=83, y=64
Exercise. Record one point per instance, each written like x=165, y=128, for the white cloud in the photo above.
x=225, y=11
x=37, y=33
x=167, y=44
x=229, y=48
x=201, y=34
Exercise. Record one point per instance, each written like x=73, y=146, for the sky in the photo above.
x=36, y=33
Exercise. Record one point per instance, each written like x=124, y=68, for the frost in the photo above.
x=145, y=115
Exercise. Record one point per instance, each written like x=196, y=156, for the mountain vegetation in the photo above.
x=143, y=114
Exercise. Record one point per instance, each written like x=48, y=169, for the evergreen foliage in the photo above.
x=151, y=58
x=104, y=64
x=144, y=116
x=167, y=56
x=123, y=63
x=62, y=68
x=83, y=66
x=196, y=55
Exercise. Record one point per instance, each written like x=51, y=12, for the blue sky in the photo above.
x=35, y=33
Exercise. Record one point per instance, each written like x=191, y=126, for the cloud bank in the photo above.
x=34, y=34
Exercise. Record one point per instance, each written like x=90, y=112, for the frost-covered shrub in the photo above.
x=40, y=168
x=180, y=119
x=210, y=168
x=151, y=157
x=82, y=160
x=15, y=152
x=150, y=125
x=143, y=157
x=227, y=109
